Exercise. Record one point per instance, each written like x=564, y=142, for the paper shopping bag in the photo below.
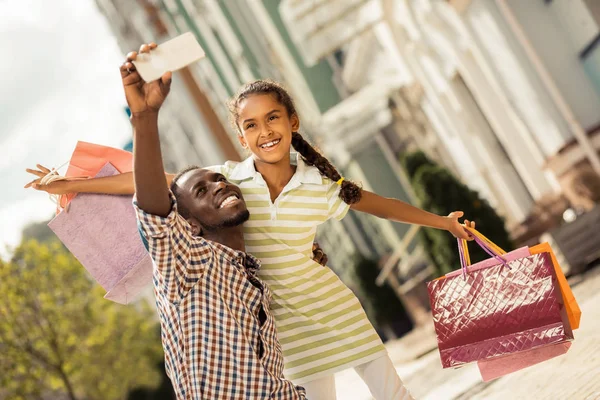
x=573, y=310
x=500, y=366
x=89, y=158
x=101, y=232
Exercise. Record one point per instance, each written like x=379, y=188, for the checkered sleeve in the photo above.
x=337, y=207
x=179, y=258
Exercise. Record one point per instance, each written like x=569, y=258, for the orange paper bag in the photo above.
x=89, y=158
x=571, y=306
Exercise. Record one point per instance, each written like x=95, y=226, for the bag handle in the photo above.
x=480, y=235
x=487, y=245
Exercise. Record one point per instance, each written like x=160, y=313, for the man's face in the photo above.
x=212, y=202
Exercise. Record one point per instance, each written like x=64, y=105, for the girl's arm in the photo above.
x=116, y=184
x=399, y=211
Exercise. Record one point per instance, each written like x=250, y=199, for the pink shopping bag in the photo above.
x=500, y=366
x=101, y=232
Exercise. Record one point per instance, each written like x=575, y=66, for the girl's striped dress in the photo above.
x=320, y=323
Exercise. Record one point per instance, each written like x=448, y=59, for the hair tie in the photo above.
x=339, y=182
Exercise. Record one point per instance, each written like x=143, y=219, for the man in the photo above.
x=217, y=331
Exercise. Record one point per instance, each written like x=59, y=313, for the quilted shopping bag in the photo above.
x=499, y=366
x=572, y=308
x=101, y=232
x=495, y=310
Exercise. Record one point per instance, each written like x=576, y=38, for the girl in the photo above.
x=320, y=323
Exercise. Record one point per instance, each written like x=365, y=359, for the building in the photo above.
x=545, y=56
x=191, y=132
x=510, y=88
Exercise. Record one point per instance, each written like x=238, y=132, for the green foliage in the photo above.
x=58, y=334
x=380, y=302
x=440, y=192
x=38, y=231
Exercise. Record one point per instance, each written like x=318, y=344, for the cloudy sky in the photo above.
x=60, y=83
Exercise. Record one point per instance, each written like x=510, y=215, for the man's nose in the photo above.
x=218, y=186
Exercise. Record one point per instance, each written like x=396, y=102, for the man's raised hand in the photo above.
x=143, y=97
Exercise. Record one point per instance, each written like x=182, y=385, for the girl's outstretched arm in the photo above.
x=116, y=184
x=399, y=211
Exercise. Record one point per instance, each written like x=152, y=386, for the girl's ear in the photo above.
x=295, y=122
x=242, y=140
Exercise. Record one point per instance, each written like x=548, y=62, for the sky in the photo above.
x=59, y=73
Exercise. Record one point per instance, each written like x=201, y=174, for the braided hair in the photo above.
x=350, y=192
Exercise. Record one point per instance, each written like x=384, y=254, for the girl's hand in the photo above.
x=456, y=228
x=56, y=187
x=319, y=255
x=143, y=97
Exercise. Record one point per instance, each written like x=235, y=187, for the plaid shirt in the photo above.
x=218, y=333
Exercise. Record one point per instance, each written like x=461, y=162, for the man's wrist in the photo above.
x=144, y=117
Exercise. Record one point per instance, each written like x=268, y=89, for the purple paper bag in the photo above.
x=101, y=232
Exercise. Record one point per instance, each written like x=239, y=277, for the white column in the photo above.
x=500, y=188
x=512, y=132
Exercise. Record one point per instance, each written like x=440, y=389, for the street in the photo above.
x=574, y=376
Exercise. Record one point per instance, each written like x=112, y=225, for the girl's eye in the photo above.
x=249, y=126
x=272, y=117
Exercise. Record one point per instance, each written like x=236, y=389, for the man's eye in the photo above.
x=202, y=190
x=222, y=179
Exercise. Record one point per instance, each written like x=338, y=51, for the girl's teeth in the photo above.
x=270, y=144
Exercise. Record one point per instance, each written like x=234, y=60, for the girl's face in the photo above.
x=266, y=128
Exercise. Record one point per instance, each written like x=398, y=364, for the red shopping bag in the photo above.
x=496, y=310
x=499, y=366
x=89, y=158
x=573, y=310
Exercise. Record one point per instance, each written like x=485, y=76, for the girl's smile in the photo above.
x=270, y=145
x=265, y=128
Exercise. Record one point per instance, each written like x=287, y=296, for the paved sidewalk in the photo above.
x=574, y=376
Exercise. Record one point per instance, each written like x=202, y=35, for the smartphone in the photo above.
x=169, y=56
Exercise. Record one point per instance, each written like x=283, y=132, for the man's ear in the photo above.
x=196, y=227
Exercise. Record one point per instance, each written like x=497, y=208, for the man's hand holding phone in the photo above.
x=147, y=74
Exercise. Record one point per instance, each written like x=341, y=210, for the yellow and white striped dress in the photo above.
x=320, y=323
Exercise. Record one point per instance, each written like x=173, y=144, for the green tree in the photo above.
x=38, y=231
x=440, y=192
x=58, y=334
